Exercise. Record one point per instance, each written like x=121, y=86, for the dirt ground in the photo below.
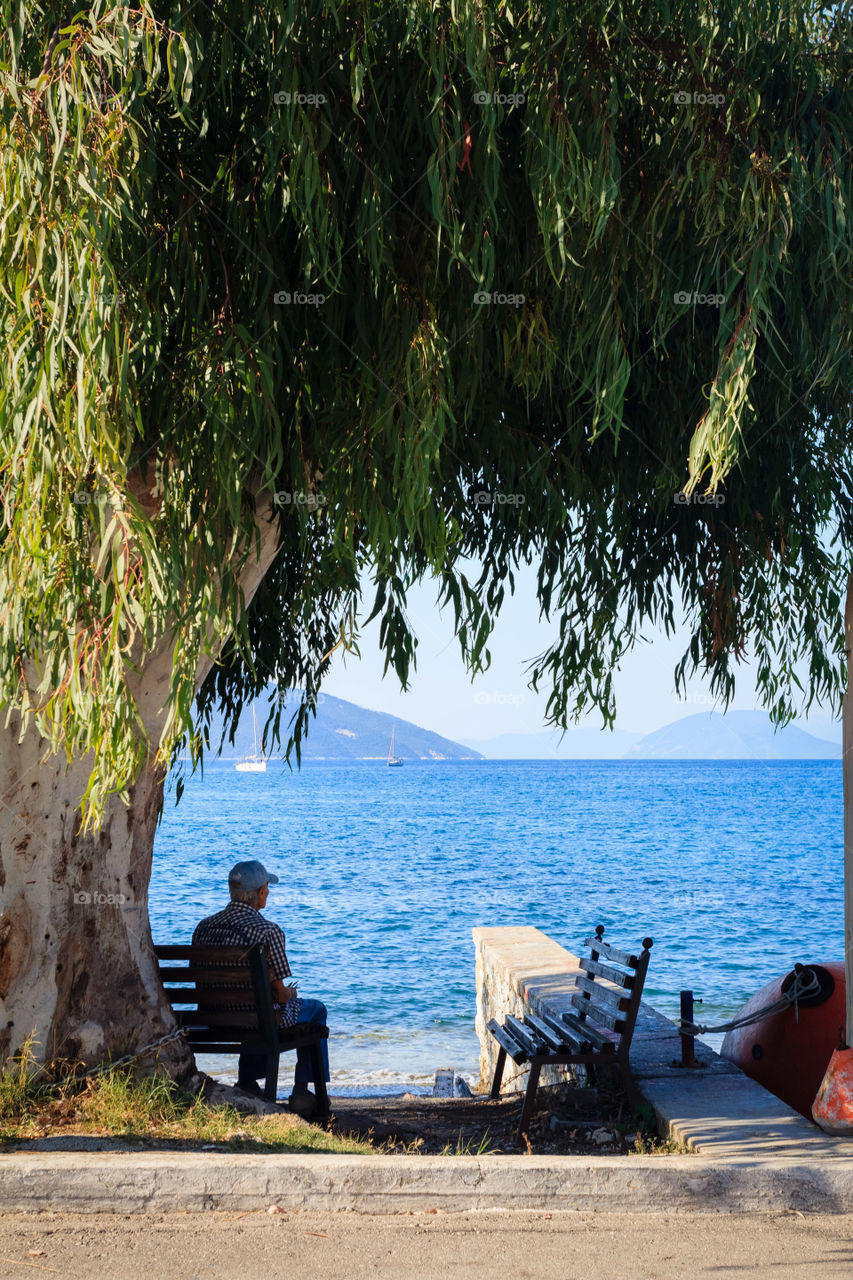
x=566, y=1122
x=425, y=1246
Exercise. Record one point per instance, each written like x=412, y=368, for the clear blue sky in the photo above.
x=443, y=698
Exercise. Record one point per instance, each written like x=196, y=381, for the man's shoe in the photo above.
x=251, y=1087
x=303, y=1104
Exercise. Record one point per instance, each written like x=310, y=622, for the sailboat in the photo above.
x=257, y=762
x=394, y=762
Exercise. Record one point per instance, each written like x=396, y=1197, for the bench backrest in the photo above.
x=207, y=989
x=608, y=998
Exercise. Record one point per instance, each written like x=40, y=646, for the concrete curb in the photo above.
x=160, y=1182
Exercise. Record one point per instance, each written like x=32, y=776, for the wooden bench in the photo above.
x=205, y=993
x=597, y=1032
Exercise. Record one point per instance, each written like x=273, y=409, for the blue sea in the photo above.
x=733, y=867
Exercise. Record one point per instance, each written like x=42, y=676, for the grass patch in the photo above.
x=473, y=1146
x=148, y=1109
x=22, y=1088
x=647, y=1140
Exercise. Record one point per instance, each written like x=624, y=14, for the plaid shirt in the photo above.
x=241, y=925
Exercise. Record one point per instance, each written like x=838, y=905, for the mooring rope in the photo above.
x=804, y=986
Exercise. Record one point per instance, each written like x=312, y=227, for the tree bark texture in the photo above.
x=77, y=969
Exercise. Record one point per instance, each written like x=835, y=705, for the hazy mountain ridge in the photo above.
x=551, y=744
x=343, y=731
x=738, y=735
x=708, y=735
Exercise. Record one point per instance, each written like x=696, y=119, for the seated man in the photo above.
x=241, y=924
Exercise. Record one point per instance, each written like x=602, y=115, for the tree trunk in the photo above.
x=77, y=969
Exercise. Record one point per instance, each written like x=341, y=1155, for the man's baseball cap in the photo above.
x=251, y=875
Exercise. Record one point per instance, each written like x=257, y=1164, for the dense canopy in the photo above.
x=462, y=283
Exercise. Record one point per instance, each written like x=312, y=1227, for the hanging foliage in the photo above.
x=564, y=285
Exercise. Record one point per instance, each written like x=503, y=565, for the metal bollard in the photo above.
x=688, y=1042
x=688, y=1056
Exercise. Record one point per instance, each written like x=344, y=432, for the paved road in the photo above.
x=423, y=1246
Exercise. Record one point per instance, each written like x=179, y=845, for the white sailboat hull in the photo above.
x=251, y=766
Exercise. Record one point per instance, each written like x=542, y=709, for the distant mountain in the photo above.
x=737, y=735
x=344, y=731
x=577, y=744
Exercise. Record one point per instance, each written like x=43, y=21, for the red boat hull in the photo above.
x=787, y=1053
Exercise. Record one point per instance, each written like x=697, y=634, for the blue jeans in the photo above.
x=253, y=1065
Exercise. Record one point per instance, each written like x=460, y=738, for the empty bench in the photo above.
x=206, y=992
x=597, y=1031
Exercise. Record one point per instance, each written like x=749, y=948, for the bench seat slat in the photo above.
x=515, y=1050
x=567, y=1034
x=571, y=1043
x=209, y=976
x=210, y=995
x=233, y=1031
x=217, y=1018
x=181, y=995
x=601, y=994
x=553, y=1039
x=591, y=1034
x=208, y=1040
x=213, y=1000
x=211, y=1008
x=616, y=976
x=302, y=1031
x=611, y=953
x=598, y=1014
x=210, y=1043
x=202, y=955
x=525, y=1036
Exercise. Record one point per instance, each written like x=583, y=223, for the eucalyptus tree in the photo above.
x=304, y=300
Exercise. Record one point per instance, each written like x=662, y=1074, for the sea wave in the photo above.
x=346, y=1083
